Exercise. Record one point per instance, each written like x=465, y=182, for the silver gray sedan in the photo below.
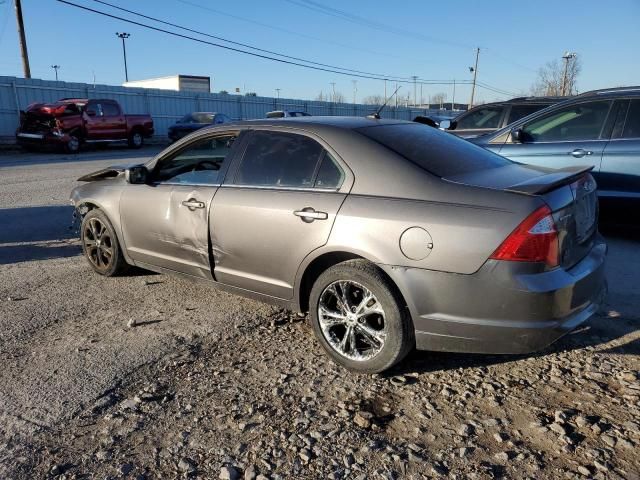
x=391, y=234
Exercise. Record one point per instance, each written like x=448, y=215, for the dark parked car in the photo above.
x=599, y=129
x=70, y=122
x=392, y=234
x=490, y=117
x=195, y=121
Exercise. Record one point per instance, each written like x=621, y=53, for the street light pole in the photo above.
x=475, y=74
x=333, y=89
x=56, y=67
x=355, y=89
x=23, y=40
x=123, y=36
x=566, y=57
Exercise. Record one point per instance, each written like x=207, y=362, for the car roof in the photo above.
x=325, y=121
x=632, y=91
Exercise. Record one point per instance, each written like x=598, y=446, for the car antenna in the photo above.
x=376, y=114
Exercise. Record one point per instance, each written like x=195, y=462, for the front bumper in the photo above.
x=505, y=307
x=41, y=139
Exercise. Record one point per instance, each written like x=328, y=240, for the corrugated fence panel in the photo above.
x=167, y=106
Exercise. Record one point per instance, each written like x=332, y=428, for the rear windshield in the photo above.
x=439, y=153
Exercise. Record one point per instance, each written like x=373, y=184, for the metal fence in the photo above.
x=166, y=106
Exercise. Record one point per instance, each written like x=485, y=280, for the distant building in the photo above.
x=179, y=83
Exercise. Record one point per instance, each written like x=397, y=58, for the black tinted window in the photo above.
x=200, y=162
x=484, y=117
x=583, y=121
x=440, y=153
x=521, y=111
x=110, y=110
x=279, y=159
x=632, y=124
x=329, y=175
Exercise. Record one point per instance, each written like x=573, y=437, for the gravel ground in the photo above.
x=150, y=376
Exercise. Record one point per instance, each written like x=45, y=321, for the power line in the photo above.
x=307, y=64
x=271, y=52
x=281, y=29
x=350, y=17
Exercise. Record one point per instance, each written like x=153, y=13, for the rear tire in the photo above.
x=356, y=301
x=136, y=140
x=100, y=245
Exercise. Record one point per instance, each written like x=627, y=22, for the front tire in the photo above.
x=359, y=317
x=136, y=140
x=100, y=245
x=73, y=144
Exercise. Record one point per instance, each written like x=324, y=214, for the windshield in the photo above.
x=439, y=153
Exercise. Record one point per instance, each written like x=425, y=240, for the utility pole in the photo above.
x=23, y=40
x=475, y=74
x=396, y=95
x=355, y=89
x=453, y=99
x=385, y=89
x=566, y=57
x=333, y=89
x=123, y=36
x=56, y=67
x=415, y=91
x=421, y=97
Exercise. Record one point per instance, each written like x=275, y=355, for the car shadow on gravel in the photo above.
x=590, y=335
x=36, y=233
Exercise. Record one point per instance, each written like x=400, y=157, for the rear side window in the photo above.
x=485, y=117
x=329, y=174
x=439, y=153
x=521, y=111
x=632, y=124
x=279, y=159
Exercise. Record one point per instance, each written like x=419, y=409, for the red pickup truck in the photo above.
x=70, y=122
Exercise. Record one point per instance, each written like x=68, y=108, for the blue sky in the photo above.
x=433, y=40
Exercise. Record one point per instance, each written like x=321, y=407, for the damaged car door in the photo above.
x=277, y=204
x=165, y=221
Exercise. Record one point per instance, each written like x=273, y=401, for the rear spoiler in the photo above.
x=546, y=183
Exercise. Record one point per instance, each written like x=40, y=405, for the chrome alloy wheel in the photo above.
x=352, y=320
x=98, y=244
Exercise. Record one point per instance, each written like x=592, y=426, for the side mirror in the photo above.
x=445, y=125
x=91, y=113
x=137, y=174
x=517, y=135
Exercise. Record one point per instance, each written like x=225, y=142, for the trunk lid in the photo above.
x=570, y=193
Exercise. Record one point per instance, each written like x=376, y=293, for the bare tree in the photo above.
x=373, y=100
x=550, y=77
x=439, y=98
x=330, y=97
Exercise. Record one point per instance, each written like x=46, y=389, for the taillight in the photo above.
x=534, y=240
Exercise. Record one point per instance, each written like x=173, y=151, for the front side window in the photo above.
x=279, y=159
x=487, y=117
x=632, y=123
x=198, y=163
x=96, y=108
x=583, y=121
